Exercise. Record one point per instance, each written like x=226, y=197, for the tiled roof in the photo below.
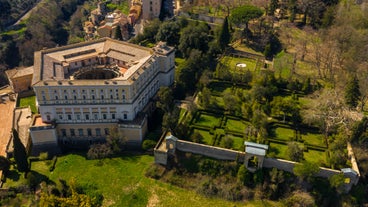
x=48, y=63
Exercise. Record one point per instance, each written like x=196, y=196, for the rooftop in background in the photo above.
x=50, y=64
x=22, y=122
x=6, y=122
x=19, y=72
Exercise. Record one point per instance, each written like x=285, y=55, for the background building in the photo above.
x=85, y=89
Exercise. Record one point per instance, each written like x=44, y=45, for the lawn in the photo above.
x=316, y=157
x=29, y=101
x=235, y=125
x=283, y=133
x=122, y=182
x=280, y=150
x=207, y=137
x=238, y=142
x=208, y=120
x=250, y=64
x=313, y=139
x=219, y=87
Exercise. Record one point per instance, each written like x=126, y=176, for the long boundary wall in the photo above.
x=209, y=151
x=169, y=144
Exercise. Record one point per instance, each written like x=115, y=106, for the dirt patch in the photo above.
x=153, y=200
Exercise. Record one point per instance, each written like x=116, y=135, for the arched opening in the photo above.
x=253, y=162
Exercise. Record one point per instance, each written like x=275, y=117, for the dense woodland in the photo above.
x=328, y=36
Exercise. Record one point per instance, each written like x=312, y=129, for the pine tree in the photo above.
x=224, y=37
x=20, y=154
x=352, y=92
x=118, y=35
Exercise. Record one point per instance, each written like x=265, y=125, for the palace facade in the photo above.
x=85, y=89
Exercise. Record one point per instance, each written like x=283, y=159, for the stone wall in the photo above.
x=288, y=166
x=209, y=151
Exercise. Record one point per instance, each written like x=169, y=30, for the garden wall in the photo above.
x=288, y=166
x=209, y=151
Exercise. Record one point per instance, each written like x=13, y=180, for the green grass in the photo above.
x=123, y=7
x=285, y=134
x=235, y=125
x=315, y=156
x=122, y=182
x=179, y=61
x=238, y=142
x=207, y=137
x=29, y=101
x=280, y=150
x=243, y=47
x=313, y=139
x=207, y=120
x=233, y=61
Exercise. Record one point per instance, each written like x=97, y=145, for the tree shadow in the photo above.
x=13, y=175
x=35, y=178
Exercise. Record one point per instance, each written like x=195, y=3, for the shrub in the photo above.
x=99, y=151
x=148, y=144
x=43, y=156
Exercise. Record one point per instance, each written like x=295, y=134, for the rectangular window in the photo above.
x=89, y=132
x=87, y=116
x=104, y=116
x=107, y=132
x=72, y=132
x=125, y=116
x=112, y=116
x=60, y=116
x=95, y=116
x=63, y=132
x=98, y=132
x=78, y=117
x=80, y=132
x=69, y=117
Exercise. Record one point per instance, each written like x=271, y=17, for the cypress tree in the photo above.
x=118, y=35
x=352, y=92
x=224, y=37
x=20, y=154
x=4, y=163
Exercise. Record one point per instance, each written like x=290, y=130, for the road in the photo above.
x=25, y=16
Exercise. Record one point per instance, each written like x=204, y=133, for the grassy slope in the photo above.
x=123, y=183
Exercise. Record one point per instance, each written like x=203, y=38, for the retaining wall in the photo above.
x=288, y=166
x=209, y=151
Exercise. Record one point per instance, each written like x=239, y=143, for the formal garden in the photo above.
x=230, y=104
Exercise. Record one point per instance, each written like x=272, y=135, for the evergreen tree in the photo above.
x=118, y=35
x=4, y=163
x=224, y=37
x=352, y=92
x=20, y=154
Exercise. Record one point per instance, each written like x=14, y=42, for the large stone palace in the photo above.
x=85, y=89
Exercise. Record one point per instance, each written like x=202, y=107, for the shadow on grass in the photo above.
x=35, y=178
x=13, y=175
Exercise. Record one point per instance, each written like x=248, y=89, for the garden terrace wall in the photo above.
x=209, y=151
x=288, y=166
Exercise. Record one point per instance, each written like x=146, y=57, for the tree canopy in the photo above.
x=243, y=14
